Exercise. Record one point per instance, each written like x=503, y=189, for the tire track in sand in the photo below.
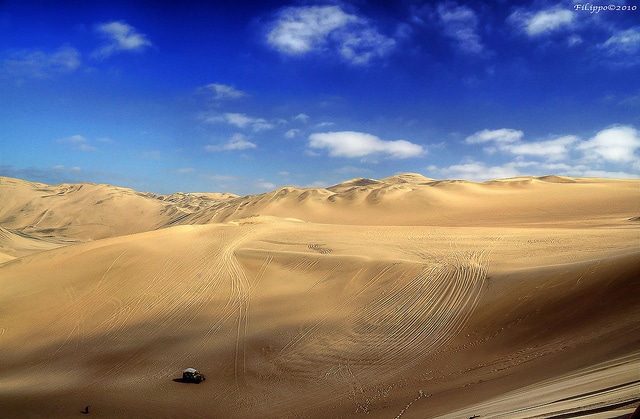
x=418, y=316
x=408, y=317
x=236, y=307
x=412, y=316
x=212, y=282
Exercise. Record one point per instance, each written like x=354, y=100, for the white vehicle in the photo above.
x=192, y=375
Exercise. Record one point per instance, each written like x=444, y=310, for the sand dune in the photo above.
x=408, y=199
x=416, y=200
x=14, y=243
x=400, y=297
x=88, y=211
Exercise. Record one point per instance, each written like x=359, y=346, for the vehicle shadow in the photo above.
x=182, y=380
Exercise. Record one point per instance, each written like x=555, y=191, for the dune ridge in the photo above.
x=407, y=199
x=401, y=297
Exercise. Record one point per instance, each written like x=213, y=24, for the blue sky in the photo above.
x=248, y=96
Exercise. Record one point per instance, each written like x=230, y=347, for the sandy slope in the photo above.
x=87, y=211
x=519, y=312
x=14, y=243
x=415, y=200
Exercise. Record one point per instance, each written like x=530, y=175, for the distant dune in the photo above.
x=404, y=297
x=407, y=199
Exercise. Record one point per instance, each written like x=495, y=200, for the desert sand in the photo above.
x=404, y=297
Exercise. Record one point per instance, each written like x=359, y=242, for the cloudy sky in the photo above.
x=247, y=96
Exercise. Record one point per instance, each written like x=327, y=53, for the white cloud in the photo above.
x=556, y=149
x=604, y=174
x=477, y=171
x=611, y=152
x=482, y=171
x=238, y=119
x=241, y=120
x=358, y=144
x=460, y=24
x=616, y=144
x=542, y=21
x=239, y=142
x=574, y=40
x=302, y=117
x=119, y=36
x=236, y=142
x=292, y=133
x=626, y=42
x=39, y=64
x=224, y=92
x=504, y=135
x=301, y=29
x=305, y=29
x=510, y=141
x=359, y=47
x=77, y=142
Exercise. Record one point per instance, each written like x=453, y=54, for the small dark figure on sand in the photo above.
x=86, y=410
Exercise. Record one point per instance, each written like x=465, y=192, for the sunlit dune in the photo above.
x=404, y=297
